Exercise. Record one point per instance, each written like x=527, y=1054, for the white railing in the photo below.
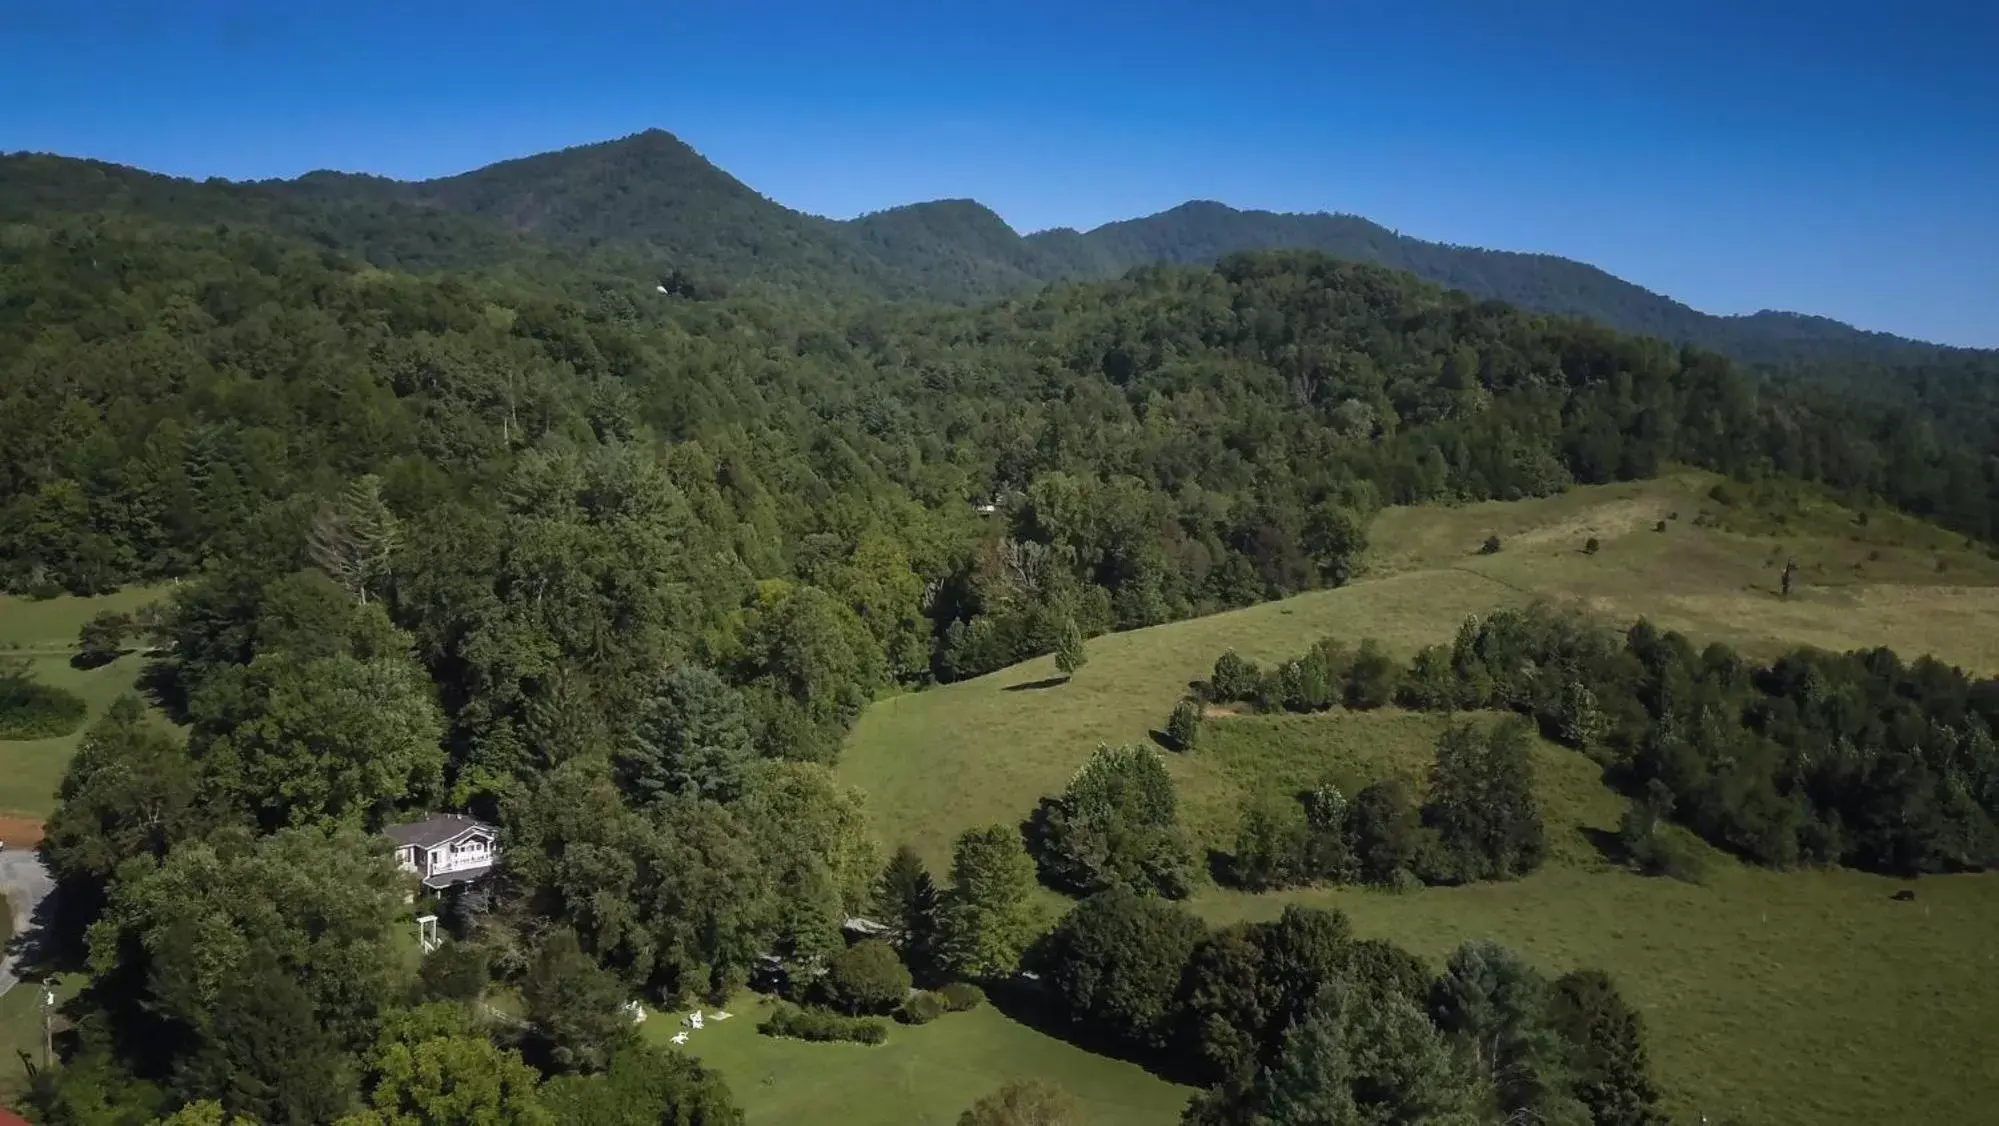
x=462, y=861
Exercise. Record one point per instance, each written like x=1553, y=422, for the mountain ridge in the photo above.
x=653, y=202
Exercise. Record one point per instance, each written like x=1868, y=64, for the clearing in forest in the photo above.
x=1803, y=996
x=43, y=631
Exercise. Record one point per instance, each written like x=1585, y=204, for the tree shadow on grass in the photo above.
x=161, y=683
x=1607, y=844
x=1221, y=868
x=1030, y=1003
x=1036, y=685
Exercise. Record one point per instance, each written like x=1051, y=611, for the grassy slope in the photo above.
x=925, y=1074
x=984, y=750
x=1782, y=997
x=45, y=632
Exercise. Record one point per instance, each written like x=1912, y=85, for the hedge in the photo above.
x=818, y=1024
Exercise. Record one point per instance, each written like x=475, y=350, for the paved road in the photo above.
x=25, y=883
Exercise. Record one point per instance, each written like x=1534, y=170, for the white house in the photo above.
x=446, y=848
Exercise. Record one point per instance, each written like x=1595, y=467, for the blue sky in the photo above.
x=1834, y=157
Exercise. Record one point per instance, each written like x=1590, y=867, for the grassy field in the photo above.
x=44, y=632
x=1792, y=996
x=924, y=1074
x=1773, y=997
x=984, y=750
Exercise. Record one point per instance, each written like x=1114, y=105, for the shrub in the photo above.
x=1234, y=679
x=1309, y=683
x=1270, y=846
x=1024, y=1102
x=454, y=972
x=1490, y=547
x=1387, y=834
x=1372, y=681
x=1650, y=846
x=1432, y=682
x=867, y=977
x=29, y=710
x=1183, y=727
x=822, y=1026
x=1592, y=545
x=962, y=996
x=1659, y=527
x=923, y=1007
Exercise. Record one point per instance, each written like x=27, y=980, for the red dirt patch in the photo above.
x=20, y=832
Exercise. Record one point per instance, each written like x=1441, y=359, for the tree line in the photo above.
x=1296, y=1020
x=1862, y=759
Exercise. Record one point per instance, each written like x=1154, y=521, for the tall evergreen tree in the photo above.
x=1070, y=654
x=989, y=916
x=907, y=903
x=691, y=739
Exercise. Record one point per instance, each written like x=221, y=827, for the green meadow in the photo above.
x=1799, y=996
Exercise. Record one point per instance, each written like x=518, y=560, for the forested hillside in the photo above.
x=649, y=204
x=1154, y=447
x=620, y=568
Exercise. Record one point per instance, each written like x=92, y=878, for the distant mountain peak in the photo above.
x=656, y=202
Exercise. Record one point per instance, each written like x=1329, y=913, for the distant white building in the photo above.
x=446, y=848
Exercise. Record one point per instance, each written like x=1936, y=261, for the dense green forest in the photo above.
x=619, y=568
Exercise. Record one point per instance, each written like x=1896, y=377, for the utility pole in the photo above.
x=48, y=1022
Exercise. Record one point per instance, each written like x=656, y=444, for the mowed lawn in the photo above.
x=44, y=631
x=922, y=1075
x=1773, y=996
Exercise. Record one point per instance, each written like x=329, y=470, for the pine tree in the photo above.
x=692, y=738
x=354, y=538
x=1607, y=1038
x=990, y=918
x=906, y=902
x=1183, y=727
x=1069, y=652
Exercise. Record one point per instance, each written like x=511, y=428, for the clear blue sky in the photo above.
x=1835, y=156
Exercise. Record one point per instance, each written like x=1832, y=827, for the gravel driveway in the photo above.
x=25, y=883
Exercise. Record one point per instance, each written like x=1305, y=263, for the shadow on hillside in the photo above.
x=1606, y=843
x=1036, y=685
x=1221, y=868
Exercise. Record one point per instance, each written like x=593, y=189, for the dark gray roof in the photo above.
x=435, y=829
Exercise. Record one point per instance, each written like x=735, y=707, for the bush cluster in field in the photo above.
x=1858, y=759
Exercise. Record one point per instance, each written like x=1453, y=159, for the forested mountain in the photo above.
x=516, y=533
x=650, y=204
x=1159, y=446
